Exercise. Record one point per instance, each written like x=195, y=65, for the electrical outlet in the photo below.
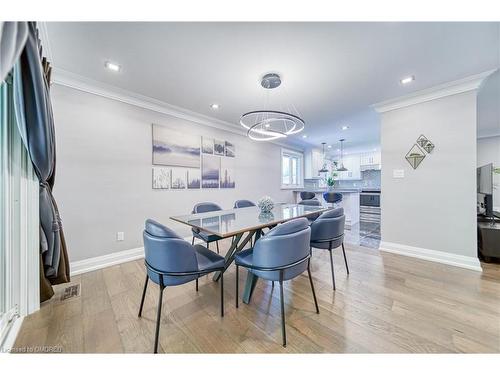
x=120, y=236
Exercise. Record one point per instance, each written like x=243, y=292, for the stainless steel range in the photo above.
x=369, y=205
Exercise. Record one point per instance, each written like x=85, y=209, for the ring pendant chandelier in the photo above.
x=268, y=125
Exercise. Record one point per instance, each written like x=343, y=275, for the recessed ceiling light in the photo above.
x=214, y=106
x=338, y=149
x=329, y=146
x=112, y=66
x=407, y=80
x=304, y=136
x=345, y=127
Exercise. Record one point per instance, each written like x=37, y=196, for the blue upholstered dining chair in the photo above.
x=307, y=195
x=170, y=260
x=327, y=232
x=202, y=235
x=331, y=197
x=311, y=202
x=282, y=254
x=242, y=203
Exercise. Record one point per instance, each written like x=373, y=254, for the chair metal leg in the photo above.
x=192, y=242
x=312, y=285
x=282, y=300
x=237, y=284
x=222, y=294
x=143, y=295
x=208, y=245
x=217, y=243
x=158, y=318
x=331, y=265
x=196, y=284
x=345, y=259
x=272, y=285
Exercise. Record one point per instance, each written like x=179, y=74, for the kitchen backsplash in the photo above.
x=370, y=179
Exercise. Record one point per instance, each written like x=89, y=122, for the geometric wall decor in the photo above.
x=422, y=140
x=429, y=146
x=415, y=156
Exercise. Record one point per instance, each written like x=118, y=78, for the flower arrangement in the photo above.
x=265, y=204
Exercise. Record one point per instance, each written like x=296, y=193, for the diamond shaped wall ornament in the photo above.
x=429, y=146
x=415, y=156
x=422, y=141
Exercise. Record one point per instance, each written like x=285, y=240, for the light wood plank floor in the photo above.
x=389, y=303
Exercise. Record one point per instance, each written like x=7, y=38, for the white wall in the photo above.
x=104, y=172
x=433, y=208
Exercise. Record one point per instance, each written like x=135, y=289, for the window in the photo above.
x=291, y=169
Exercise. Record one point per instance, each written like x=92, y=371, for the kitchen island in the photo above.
x=350, y=201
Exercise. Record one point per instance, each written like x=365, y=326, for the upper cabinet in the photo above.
x=370, y=160
x=352, y=163
x=313, y=162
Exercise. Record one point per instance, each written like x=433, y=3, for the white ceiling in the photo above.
x=332, y=72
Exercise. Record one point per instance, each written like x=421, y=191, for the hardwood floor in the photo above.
x=388, y=303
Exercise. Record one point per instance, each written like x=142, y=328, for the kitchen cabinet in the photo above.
x=353, y=165
x=371, y=158
x=313, y=162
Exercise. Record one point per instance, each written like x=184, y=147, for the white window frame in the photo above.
x=300, y=172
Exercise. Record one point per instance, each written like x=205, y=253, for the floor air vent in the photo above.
x=70, y=292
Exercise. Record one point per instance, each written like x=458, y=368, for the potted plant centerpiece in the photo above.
x=330, y=180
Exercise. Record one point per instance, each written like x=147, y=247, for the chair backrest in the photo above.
x=328, y=225
x=166, y=251
x=332, y=197
x=310, y=202
x=206, y=207
x=243, y=203
x=307, y=195
x=283, y=245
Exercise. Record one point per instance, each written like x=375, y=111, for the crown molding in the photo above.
x=469, y=83
x=75, y=81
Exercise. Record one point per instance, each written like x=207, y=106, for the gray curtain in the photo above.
x=33, y=110
x=13, y=36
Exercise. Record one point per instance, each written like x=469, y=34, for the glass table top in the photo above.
x=238, y=220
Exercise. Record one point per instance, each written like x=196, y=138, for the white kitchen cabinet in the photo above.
x=370, y=158
x=313, y=162
x=353, y=165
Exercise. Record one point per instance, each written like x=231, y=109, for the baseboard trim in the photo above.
x=103, y=261
x=108, y=260
x=462, y=261
x=10, y=338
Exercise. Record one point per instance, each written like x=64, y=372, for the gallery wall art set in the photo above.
x=185, y=161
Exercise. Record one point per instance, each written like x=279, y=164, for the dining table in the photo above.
x=242, y=224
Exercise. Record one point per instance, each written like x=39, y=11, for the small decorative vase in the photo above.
x=265, y=204
x=330, y=188
x=265, y=217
